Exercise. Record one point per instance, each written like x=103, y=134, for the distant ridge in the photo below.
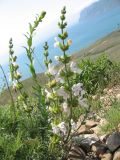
x=98, y=9
x=109, y=45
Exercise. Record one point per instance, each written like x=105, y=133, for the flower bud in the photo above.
x=62, y=17
x=57, y=58
x=14, y=58
x=69, y=42
x=46, y=53
x=42, y=14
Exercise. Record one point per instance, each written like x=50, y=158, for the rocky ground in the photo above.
x=90, y=143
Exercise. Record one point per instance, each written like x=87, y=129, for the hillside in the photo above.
x=109, y=45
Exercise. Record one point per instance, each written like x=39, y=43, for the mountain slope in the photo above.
x=109, y=45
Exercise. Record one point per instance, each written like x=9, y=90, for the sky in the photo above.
x=16, y=14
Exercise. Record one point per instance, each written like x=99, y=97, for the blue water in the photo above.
x=82, y=34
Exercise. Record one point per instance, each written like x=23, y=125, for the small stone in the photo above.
x=103, y=138
x=90, y=124
x=82, y=129
x=96, y=130
x=76, y=153
x=95, y=97
x=106, y=156
x=117, y=155
x=118, y=96
x=102, y=98
x=99, y=148
x=105, y=90
x=103, y=121
x=113, y=141
x=119, y=127
x=110, y=91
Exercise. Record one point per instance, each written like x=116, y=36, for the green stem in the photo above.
x=12, y=100
x=71, y=98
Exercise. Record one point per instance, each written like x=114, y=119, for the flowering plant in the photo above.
x=51, y=116
x=64, y=94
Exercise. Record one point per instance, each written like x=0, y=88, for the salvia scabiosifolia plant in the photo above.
x=47, y=124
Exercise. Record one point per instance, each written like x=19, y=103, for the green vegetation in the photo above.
x=99, y=74
x=113, y=118
x=39, y=121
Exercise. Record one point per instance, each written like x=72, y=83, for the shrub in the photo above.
x=98, y=74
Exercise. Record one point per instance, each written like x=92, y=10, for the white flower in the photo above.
x=14, y=84
x=63, y=128
x=14, y=64
x=77, y=88
x=48, y=94
x=55, y=129
x=56, y=39
x=83, y=102
x=61, y=92
x=74, y=125
x=56, y=44
x=66, y=109
x=74, y=68
x=58, y=78
x=18, y=73
x=51, y=69
x=56, y=58
x=69, y=42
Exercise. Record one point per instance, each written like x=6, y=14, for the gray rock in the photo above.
x=113, y=141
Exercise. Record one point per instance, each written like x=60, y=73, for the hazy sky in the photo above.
x=16, y=14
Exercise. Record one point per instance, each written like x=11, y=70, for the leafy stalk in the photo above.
x=30, y=52
x=64, y=47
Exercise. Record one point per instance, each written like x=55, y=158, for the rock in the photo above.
x=90, y=124
x=99, y=148
x=119, y=127
x=107, y=156
x=103, y=138
x=96, y=130
x=103, y=121
x=92, y=136
x=76, y=153
x=113, y=141
x=118, y=96
x=117, y=155
x=110, y=90
x=87, y=141
x=105, y=90
x=95, y=97
x=84, y=130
